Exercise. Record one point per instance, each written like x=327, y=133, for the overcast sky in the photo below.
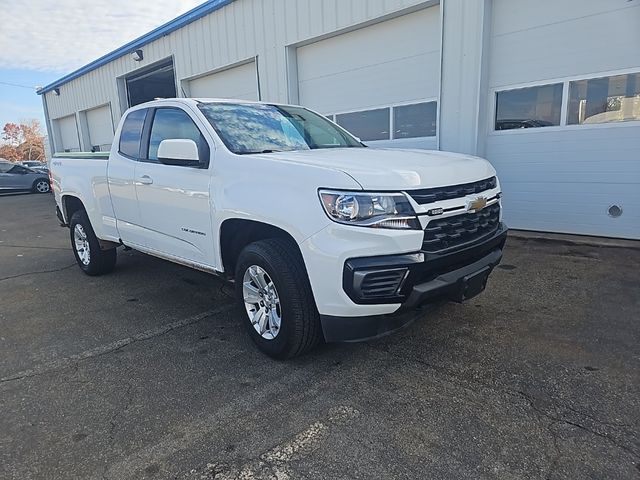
x=42, y=40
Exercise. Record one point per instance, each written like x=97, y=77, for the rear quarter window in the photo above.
x=132, y=133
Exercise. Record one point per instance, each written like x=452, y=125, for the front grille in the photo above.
x=451, y=232
x=382, y=283
x=430, y=195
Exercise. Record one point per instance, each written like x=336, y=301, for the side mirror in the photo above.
x=179, y=151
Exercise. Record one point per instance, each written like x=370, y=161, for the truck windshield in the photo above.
x=247, y=128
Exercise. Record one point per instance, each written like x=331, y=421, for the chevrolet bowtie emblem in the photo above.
x=477, y=204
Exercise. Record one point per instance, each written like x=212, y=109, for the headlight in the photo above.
x=381, y=210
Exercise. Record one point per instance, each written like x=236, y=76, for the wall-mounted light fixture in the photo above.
x=56, y=92
x=137, y=55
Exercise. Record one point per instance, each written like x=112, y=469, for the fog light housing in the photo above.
x=370, y=284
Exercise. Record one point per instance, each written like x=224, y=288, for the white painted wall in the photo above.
x=465, y=29
x=239, y=82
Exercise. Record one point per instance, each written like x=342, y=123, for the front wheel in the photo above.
x=273, y=291
x=86, y=247
x=41, y=186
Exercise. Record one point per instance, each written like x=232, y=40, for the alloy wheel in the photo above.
x=262, y=302
x=81, y=244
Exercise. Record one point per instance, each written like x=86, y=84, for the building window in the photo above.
x=529, y=107
x=418, y=120
x=367, y=125
x=604, y=100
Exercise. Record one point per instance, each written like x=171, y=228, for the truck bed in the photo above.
x=84, y=175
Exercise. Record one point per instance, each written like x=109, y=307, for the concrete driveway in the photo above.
x=146, y=373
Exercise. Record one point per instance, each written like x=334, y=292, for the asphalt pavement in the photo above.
x=147, y=373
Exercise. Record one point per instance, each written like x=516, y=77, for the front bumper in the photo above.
x=425, y=278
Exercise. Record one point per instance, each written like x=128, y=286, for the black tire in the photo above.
x=300, y=327
x=99, y=261
x=38, y=186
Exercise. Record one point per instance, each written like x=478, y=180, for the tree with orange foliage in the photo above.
x=22, y=141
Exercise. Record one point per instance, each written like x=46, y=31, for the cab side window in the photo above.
x=174, y=123
x=132, y=133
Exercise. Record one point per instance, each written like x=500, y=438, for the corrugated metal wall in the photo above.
x=239, y=31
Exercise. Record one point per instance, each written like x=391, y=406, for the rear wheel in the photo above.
x=277, y=305
x=86, y=247
x=41, y=186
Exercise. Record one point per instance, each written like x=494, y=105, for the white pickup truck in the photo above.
x=325, y=238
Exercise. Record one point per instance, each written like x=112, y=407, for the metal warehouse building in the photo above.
x=548, y=91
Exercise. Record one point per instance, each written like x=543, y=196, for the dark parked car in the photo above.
x=17, y=177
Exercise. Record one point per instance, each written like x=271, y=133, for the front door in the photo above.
x=175, y=208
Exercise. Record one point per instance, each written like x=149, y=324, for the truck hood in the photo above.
x=394, y=169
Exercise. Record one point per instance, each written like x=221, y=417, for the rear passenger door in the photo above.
x=121, y=174
x=174, y=202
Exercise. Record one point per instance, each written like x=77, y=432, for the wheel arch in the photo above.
x=237, y=233
x=70, y=205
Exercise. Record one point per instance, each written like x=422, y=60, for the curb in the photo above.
x=581, y=240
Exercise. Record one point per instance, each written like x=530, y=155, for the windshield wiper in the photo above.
x=260, y=151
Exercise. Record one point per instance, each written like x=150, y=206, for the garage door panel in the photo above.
x=521, y=44
x=407, y=37
x=239, y=82
x=590, y=220
x=551, y=180
x=100, y=127
x=356, y=89
x=68, y=133
x=565, y=178
x=394, y=61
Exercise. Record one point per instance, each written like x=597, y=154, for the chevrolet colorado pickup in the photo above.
x=324, y=238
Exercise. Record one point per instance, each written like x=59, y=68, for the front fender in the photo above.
x=274, y=192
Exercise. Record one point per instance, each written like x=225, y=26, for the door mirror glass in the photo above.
x=179, y=151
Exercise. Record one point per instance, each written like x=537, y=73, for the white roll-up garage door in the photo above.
x=564, y=135
x=239, y=82
x=68, y=134
x=100, y=128
x=363, y=75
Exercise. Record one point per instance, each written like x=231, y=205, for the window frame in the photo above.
x=393, y=122
x=391, y=107
x=389, y=119
x=515, y=89
x=564, y=126
x=146, y=139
